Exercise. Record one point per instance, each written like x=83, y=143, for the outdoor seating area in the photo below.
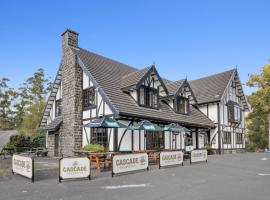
x=103, y=160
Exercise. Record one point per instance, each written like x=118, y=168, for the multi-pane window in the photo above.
x=234, y=113
x=148, y=97
x=181, y=105
x=89, y=98
x=227, y=137
x=99, y=136
x=58, y=107
x=154, y=140
x=239, y=138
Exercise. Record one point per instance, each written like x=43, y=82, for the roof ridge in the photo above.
x=129, y=74
x=214, y=74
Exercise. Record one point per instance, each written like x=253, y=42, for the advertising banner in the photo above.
x=23, y=165
x=168, y=158
x=129, y=162
x=74, y=167
x=198, y=156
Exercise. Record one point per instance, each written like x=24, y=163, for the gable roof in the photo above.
x=49, y=104
x=133, y=78
x=173, y=87
x=211, y=88
x=108, y=74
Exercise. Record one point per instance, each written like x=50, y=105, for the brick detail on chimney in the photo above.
x=71, y=132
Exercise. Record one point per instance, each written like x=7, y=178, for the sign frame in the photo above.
x=199, y=161
x=132, y=171
x=173, y=165
x=60, y=179
x=33, y=167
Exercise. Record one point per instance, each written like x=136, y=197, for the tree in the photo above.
x=32, y=94
x=7, y=97
x=258, y=119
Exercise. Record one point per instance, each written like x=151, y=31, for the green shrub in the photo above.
x=94, y=147
x=21, y=149
x=10, y=146
x=38, y=140
x=20, y=140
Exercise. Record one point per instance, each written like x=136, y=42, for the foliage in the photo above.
x=22, y=109
x=94, y=147
x=20, y=140
x=38, y=140
x=7, y=97
x=257, y=121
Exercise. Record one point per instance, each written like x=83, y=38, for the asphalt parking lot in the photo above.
x=238, y=176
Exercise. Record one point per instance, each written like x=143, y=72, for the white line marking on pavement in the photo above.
x=264, y=174
x=126, y=186
x=264, y=158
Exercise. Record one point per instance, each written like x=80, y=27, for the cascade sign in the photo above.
x=129, y=162
x=72, y=168
x=168, y=158
x=23, y=165
x=198, y=156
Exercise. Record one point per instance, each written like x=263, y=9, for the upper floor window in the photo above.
x=89, y=99
x=234, y=113
x=58, y=107
x=181, y=105
x=148, y=97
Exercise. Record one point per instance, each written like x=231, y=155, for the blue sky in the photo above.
x=183, y=38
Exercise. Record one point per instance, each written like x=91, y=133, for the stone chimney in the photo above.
x=69, y=38
x=71, y=132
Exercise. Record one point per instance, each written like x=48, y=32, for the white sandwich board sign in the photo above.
x=23, y=165
x=169, y=158
x=129, y=162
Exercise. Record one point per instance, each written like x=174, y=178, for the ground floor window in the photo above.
x=239, y=138
x=99, y=136
x=154, y=140
x=227, y=139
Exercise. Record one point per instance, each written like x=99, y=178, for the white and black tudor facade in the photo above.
x=89, y=86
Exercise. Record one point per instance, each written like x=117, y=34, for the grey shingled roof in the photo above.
x=173, y=86
x=134, y=77
x=108, y=74
x=211, y=88
x=54, y=125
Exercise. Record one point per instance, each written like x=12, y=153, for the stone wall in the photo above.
x=71, y=133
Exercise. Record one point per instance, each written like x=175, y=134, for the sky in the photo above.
x=183, y=38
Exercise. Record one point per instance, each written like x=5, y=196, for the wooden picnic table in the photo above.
x=102, y=159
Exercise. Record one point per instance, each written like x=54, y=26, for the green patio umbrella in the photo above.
x=176, y=129
x=147, y=126
x=105, y=122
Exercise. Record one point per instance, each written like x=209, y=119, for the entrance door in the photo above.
x=56, y=144
x=154, y=140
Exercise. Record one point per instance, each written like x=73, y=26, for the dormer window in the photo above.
x=181, y=105
x=148, y=97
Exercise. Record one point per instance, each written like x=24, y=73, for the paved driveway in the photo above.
x=4, y=137
x=240, y=176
